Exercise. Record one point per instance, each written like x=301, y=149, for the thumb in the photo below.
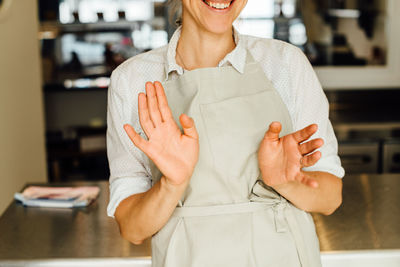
x=273, y=131
x=188, y=126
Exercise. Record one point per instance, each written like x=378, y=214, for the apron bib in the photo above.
x=227, y=215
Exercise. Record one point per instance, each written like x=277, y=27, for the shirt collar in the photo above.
x=237, y=57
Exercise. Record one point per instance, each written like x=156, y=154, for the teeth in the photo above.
x=218, y=5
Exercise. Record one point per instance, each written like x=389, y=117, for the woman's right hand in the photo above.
x=175, y=154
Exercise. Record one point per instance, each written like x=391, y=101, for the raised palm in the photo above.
x=281, y=159
x=174, y=153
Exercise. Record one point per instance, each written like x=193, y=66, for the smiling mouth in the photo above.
x=218, y=6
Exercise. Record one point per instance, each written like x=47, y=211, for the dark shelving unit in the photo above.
x=67, y=158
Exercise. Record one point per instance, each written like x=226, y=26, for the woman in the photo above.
x=224, y=189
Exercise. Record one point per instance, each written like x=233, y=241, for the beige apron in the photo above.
x=227, y=216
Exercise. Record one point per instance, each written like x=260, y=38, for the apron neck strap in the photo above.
x=249, y=57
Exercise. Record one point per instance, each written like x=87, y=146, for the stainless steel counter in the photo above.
x=65, y=234
x=369, y=219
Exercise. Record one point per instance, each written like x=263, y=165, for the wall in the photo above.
x=22, y=150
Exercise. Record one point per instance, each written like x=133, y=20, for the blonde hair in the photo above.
x=175, y=11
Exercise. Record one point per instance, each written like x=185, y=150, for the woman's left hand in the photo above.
x=281, y=159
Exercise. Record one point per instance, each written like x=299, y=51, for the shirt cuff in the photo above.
x=122, y=188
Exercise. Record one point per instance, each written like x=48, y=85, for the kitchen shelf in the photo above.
x=100, y=26
x=62, y=88
x=343, y=13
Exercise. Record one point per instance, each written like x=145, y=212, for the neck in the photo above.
x=198, y=48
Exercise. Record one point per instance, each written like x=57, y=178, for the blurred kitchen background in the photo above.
x=56, y=57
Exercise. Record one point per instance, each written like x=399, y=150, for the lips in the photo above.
x=218, y=5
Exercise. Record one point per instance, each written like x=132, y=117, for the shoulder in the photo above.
x=280, y=61
x=139, y=69
x=273, y=50
x=152, y=58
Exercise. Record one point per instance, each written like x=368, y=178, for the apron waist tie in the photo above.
x=245, y=207
x=278, y=206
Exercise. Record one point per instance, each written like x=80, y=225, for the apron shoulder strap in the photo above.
x=249, y=57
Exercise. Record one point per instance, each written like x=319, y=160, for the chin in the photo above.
x=218, y=26
x=214, y=20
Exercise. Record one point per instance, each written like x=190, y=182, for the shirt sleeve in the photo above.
x=129, y=171
x=311, y=106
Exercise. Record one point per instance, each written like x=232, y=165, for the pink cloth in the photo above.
x=80, y=192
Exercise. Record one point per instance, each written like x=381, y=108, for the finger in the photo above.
x=137, y=140
x=144, y=117
x=310, y=146
x=307, y=181
x=310, y=182
x=311, y=159
x=305, y=133
x=162, y=102
x=273, y=131
x=188, y=126
x=152, y=103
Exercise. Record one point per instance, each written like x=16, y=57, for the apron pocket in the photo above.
x=236, y=126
